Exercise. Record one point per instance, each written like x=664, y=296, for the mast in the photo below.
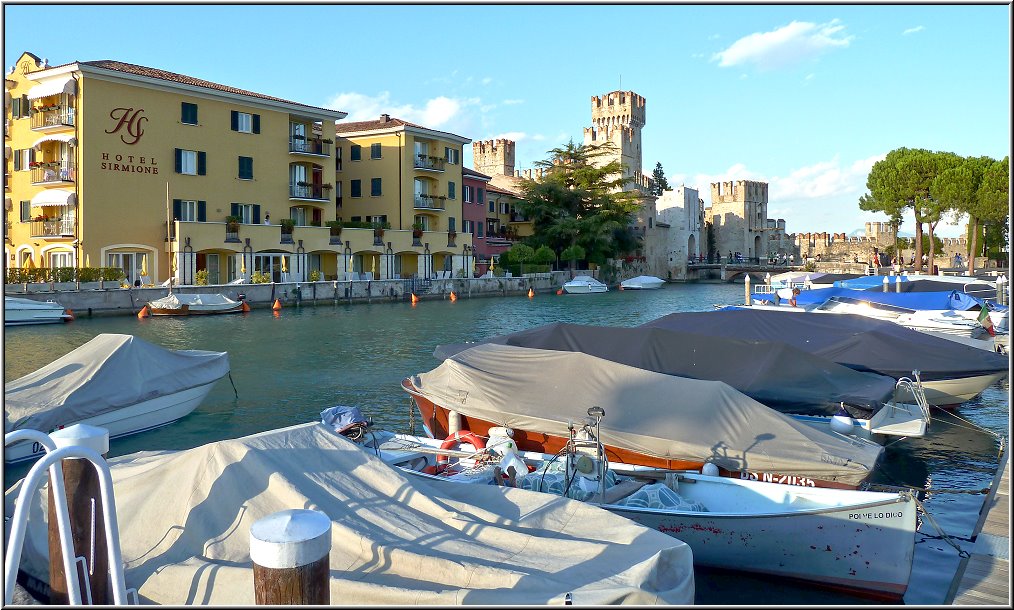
x=168, y=237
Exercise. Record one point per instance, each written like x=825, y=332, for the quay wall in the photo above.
x=91, y=299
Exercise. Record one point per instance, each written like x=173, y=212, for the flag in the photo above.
x=985, y=321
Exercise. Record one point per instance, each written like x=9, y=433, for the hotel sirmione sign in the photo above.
x=128, y=125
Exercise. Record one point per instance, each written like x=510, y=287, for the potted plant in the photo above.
x=287, y=225
x=335, y=227
x=417, y=230
x=315, y=276
x=327, y=186
x=303, y=183
x=378, y=230
x=232, y=224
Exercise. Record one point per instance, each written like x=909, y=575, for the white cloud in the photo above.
x=487, y=80
x=917, y=28
x=513, y=102
x=785, y=46
x=516, y=136
x=435, y=113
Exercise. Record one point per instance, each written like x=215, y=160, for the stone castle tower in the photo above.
x=493, y=157
x=618, y=117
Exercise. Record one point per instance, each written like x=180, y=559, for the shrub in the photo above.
x=315, y=276
x=201, y=278
x=259, y=278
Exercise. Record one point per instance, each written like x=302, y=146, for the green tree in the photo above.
x=580, y=201
x=659, y=183
x=957, y=188
x=544, y=256
x=519, y=254
x=573, y=254
x=991, y=207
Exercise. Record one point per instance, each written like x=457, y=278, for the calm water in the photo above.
x=288, y=367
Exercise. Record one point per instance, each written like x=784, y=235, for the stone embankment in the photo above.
x=94, y=299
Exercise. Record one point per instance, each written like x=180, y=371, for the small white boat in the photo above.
x=176, y=304
x=857, y=540
x=18, y=311
x=117, y=382
x=584, y=284
x=642, y=282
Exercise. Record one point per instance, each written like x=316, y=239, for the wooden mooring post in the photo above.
x=290, y=550
x=88, y=532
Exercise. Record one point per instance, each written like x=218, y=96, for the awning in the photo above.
x=54, y=197
x=56, y=137
x=52, y=87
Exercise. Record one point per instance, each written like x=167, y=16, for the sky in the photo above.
x=804, y=97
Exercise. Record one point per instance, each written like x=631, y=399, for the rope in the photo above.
x=234, y=390
x=411, y=416
x=943, y=535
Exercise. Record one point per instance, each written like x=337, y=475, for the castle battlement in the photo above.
x=610, y=134
x=494, y=157
x=618, y=108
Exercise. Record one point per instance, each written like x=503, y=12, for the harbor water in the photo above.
x=290, y=365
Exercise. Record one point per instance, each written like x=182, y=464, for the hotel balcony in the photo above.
x=53, y=118
x=52, y=228
x=53, y=174
x=428, y=202
x=427, y=163
x=312, y=146
x=312, y=192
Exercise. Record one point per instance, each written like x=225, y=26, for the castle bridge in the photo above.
x=732, y=272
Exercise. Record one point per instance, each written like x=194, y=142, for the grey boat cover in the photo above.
x=858, y=342
x=778, y=375
x=647, y=412
x=185, y=517
x=109, y=372
x=195, y=301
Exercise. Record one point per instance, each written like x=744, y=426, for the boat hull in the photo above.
x=584, y=289
x=648, y=284
x=843, y=539
x=132, y=419
x=191, y=310
x=435, y=422
x=950, y=393
x=19, y=312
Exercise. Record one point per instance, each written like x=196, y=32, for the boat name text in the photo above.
x=885, y=515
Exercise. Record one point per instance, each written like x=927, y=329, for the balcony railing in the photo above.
x=313, y=191
x=53, y=118
x=310, y=146
x=426, y=162
x=54, y=173
x=428, y=202
x=52, y=228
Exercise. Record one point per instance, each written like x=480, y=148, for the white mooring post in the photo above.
x=291, y=550
x=746, y=288
x=87, y=525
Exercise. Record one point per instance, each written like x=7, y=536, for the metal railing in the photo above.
x=427, y=162
x=310, y=146
x=53, y=118
x=52, y=228
x=428, y=202
x=54, y=173
x=313, y=191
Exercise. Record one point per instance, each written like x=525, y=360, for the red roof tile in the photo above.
x=379, y=124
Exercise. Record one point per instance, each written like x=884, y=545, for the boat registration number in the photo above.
x=785, y=479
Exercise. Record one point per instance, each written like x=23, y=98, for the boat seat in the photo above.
x=621, y=490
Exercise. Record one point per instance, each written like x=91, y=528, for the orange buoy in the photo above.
x=621, y=287
x=144, y=313
x=70, y=312
x=246, y=307
x=277, y=306
x=415, y=299
x=531, y=293
x=560, y=291
x=454, y=297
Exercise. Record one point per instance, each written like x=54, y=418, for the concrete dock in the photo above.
x=984, y=577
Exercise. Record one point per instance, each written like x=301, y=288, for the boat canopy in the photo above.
x=177, y=300
x=973, y=288
x=109, y=372
x=185, y=517
x=950, y=299
x=657, y=415
x=858, y=342
x=778, y=375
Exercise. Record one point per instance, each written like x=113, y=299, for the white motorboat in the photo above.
x=117, y=382
x=392, y=539
x=859, y=540
x=18, y=311
x=584, y=284
x=642, y=282
x=176, y=304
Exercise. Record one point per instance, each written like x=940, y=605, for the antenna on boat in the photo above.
x=598, y=413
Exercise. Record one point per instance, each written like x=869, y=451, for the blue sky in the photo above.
x=804, y=97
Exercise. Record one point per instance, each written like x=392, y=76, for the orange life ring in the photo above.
x=461, y=436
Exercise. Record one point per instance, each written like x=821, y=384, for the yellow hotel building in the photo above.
x=117, y=165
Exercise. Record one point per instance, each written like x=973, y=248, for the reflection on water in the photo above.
x=289, y=368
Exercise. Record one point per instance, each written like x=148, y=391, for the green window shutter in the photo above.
x=179, y=161
x=257, y=214
x=202, y=211
x=17, y=161
x=256, y=123
x=234, y=209
x=235, y=120
x=202, y=163
x=177, y=208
